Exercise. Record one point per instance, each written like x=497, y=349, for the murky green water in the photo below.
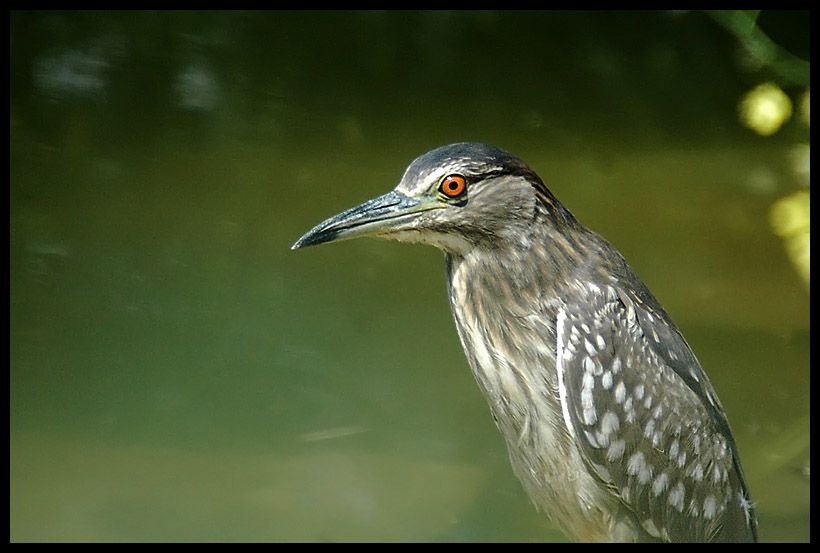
x=177, y=373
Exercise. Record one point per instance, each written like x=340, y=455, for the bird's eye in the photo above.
x=453, y=186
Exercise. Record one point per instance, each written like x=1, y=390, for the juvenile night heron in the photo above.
x=612, y=426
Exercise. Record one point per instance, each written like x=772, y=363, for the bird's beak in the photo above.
x=380, y=216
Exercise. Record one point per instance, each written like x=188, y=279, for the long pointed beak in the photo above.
x=388, y=213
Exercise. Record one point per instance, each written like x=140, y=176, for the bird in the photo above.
x=611, y=424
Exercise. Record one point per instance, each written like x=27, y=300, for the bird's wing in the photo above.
x=646, y=419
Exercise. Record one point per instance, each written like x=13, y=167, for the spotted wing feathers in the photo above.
x=647, y=421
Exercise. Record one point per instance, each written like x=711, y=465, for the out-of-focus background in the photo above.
x=177, y=373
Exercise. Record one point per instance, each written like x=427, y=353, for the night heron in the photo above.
x=612, y=426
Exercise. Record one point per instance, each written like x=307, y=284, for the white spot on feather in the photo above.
x=660, y=484
x=620, y=392
x=615, y=451
x=676, y=496
x=559, y=368
x=709, y=506
x=649, y=429
x=636, y=463
x=610, y=423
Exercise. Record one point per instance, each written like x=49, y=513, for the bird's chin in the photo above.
x=449, y=243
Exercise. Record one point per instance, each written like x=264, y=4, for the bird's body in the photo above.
x=612, y=427
x=497, y=321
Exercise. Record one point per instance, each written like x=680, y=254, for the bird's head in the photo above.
x=455, y=197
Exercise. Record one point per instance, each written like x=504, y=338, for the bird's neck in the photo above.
x=507, y=298
x=525, y=265
x=505, y=312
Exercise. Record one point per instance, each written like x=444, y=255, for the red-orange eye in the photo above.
x=453, y=186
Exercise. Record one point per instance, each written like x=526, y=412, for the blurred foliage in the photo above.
x=765, y=109
x=762, y=51
x=791, y=219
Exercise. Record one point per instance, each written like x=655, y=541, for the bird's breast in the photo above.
x=509, y=339
x=509, y=343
